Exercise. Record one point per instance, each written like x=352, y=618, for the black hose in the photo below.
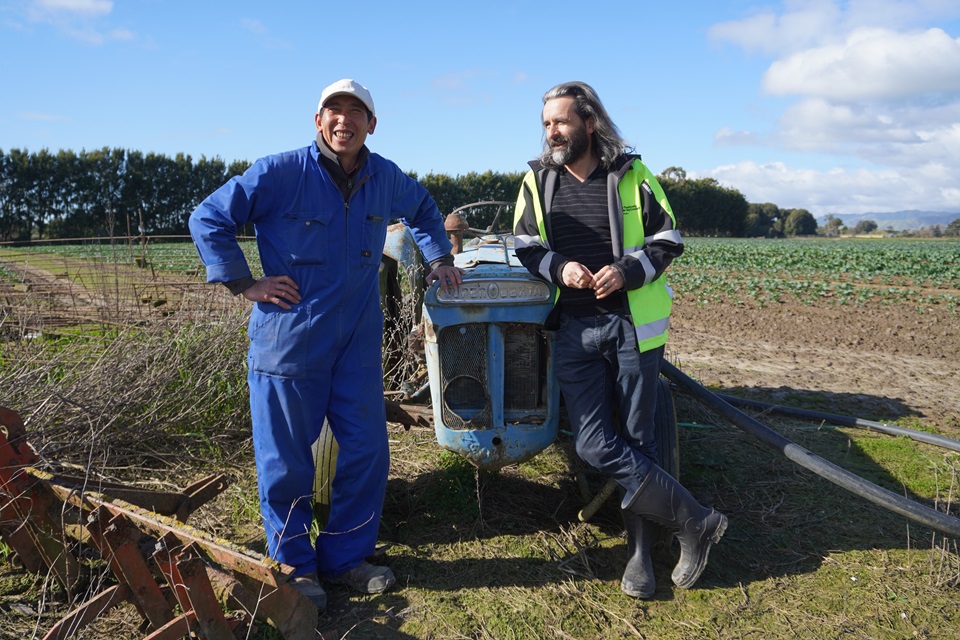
x=846, y=421
x=853, y=483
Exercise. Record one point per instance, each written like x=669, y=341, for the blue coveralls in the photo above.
x=322, y=358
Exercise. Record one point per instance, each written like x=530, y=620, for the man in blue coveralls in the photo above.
x=321, y=214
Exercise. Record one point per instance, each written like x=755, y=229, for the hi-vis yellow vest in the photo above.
x=650, y=305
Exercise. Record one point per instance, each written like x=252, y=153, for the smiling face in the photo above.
x=567, y=134
x=345, y=124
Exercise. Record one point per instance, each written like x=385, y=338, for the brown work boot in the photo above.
x=366, y=578
x=309, y=586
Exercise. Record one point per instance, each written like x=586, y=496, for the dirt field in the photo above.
x=469, y=568
x=882, y=362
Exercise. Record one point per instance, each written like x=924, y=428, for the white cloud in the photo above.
x=121, y=35
x=727, y=137
x=871, y=64
x=951, y=197
x=769, y=32
x=885, y=134
x=253, y=26
x=802, y=24
x=841, y=190
x=78, y=19
x=874, y=87
x=264, y=37
x=84, y=7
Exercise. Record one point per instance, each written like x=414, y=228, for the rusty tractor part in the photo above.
x=178, y=578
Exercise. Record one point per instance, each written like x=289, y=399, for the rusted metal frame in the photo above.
x=199, y=493
x=169, y=503
x=231, y=557
x=69, y=625
x=176, y=629
x=183, y=568
x=294, y=615
x=13, y=530
x=117, y=540
x=30, y=506
x=15, y=454
x=254, y=581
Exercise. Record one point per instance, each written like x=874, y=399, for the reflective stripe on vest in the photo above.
x=650, y=305
x=530, y=181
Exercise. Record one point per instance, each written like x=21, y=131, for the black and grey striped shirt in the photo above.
x=581, y=233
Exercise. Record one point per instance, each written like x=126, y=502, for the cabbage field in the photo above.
x=844, y=271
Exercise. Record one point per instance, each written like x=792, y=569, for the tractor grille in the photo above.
x=521, y=376
x=463, y=376
x=465, y=380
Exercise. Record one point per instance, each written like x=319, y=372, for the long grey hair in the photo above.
x=607, y=141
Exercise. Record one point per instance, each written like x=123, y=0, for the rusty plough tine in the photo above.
x=294, y=615
x=13, y=530
x=69, y=625
x=188, y=568
x=118, y=541
x=183, y=568
x=198, y=494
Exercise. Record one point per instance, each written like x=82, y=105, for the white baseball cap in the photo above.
x=347, y=87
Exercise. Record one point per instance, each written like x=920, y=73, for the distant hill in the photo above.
x=910, y=220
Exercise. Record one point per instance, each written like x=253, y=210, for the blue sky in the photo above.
x=833, y=106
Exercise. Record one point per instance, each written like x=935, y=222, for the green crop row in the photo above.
x=816, y=271
x=930, y=263
x=844, y=271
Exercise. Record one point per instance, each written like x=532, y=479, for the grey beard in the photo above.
x=561, y=157
x=577, y=145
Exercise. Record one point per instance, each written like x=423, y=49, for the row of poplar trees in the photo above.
x=117, y=192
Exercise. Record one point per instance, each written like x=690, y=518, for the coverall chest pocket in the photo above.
x=307, y=236
x=374, y=236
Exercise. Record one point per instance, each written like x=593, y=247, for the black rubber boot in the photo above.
x=638, y=580
x=665, y=501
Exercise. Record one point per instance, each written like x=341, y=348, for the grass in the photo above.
x=493, y=556
x=503, y=555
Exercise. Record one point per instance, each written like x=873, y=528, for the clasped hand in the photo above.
x=604, y=282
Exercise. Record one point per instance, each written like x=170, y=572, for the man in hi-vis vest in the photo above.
x=593, y=220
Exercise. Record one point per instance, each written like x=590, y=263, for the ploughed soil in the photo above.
x=880, y=362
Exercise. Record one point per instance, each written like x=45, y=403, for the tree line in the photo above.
x=117, y=192
x=106, y=192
